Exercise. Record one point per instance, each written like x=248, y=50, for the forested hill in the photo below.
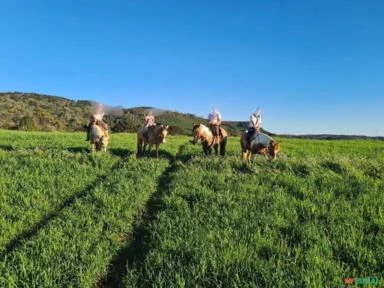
x=31, y=111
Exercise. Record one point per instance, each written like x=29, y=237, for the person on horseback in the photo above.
x=214, y=121
x=149, y=122
x=97, y=118
x=254, y=125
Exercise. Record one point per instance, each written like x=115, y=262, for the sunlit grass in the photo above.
x=310, y=219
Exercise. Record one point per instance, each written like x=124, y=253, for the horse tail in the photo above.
x=223, y=144
x=139, y=144
x=243, y=141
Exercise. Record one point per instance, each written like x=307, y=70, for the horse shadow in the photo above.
x=120, y=152
x=152, y=154
x=184, y=156
x=77, y=149
x=6, y=147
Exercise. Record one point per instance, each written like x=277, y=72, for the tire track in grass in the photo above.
x=267, y=227
x=26, y=235
x=135, y=251
x=74, y=248
x=35, y=183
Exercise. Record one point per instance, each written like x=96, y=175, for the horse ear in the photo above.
x=166, y=127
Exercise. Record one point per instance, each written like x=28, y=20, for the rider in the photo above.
x=149, y=121
x=254, y=125
x=214, y=121
x=97, y=118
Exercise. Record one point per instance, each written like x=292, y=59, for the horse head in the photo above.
x=198, y=132
x=164, y=132
x=103, y=143
x=273, y=149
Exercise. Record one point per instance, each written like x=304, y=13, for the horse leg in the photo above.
x=205, y=149
x=222, y=147
x=216, y=147
x=251, y=156
x=244, y=155
x=269, y=157
x=157, y=150
x=139, y=146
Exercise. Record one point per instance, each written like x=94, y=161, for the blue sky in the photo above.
x=312, y=66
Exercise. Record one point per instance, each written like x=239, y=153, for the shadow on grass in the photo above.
x=120, y=152
x=183, y=156
x=243, y=167
x=137, y=249
x=152, y=154
x=78, y=149
x=135, y=252
x=26, y=235
x=6, y=148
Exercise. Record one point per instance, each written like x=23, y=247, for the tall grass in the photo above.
x=310, y=219
x=69, y=218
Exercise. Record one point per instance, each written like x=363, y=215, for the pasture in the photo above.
x=69, y=218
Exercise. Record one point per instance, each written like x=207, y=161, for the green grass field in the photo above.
x=72, y=219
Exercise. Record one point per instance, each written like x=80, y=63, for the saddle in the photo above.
x=148, y=130
x=214, y=137
x=220, y=133
x=260, y=138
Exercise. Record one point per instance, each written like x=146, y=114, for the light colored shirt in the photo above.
x=150, y=120
x=98, y=116
x=255, y=121
x=214, y=118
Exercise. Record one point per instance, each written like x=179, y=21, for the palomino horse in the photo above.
x=259, y=144
x=203, y=134
x=98, y=138
x=155, y=136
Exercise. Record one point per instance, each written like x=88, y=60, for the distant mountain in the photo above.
x=31, y=111
x=331, y=137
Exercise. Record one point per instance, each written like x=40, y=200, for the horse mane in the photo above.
x=195, y=126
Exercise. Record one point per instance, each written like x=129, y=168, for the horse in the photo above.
x=203, y=134
x=156, y=135
x=98, y=138
x=260, y=143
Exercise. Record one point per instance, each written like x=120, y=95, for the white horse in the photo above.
x=98, y=138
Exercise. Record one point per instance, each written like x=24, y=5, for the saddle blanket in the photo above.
x=261, y=138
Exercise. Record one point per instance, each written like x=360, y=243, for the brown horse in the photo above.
x=260, y=144
x=98, y=138
x=203, y=134
x=155, y=136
